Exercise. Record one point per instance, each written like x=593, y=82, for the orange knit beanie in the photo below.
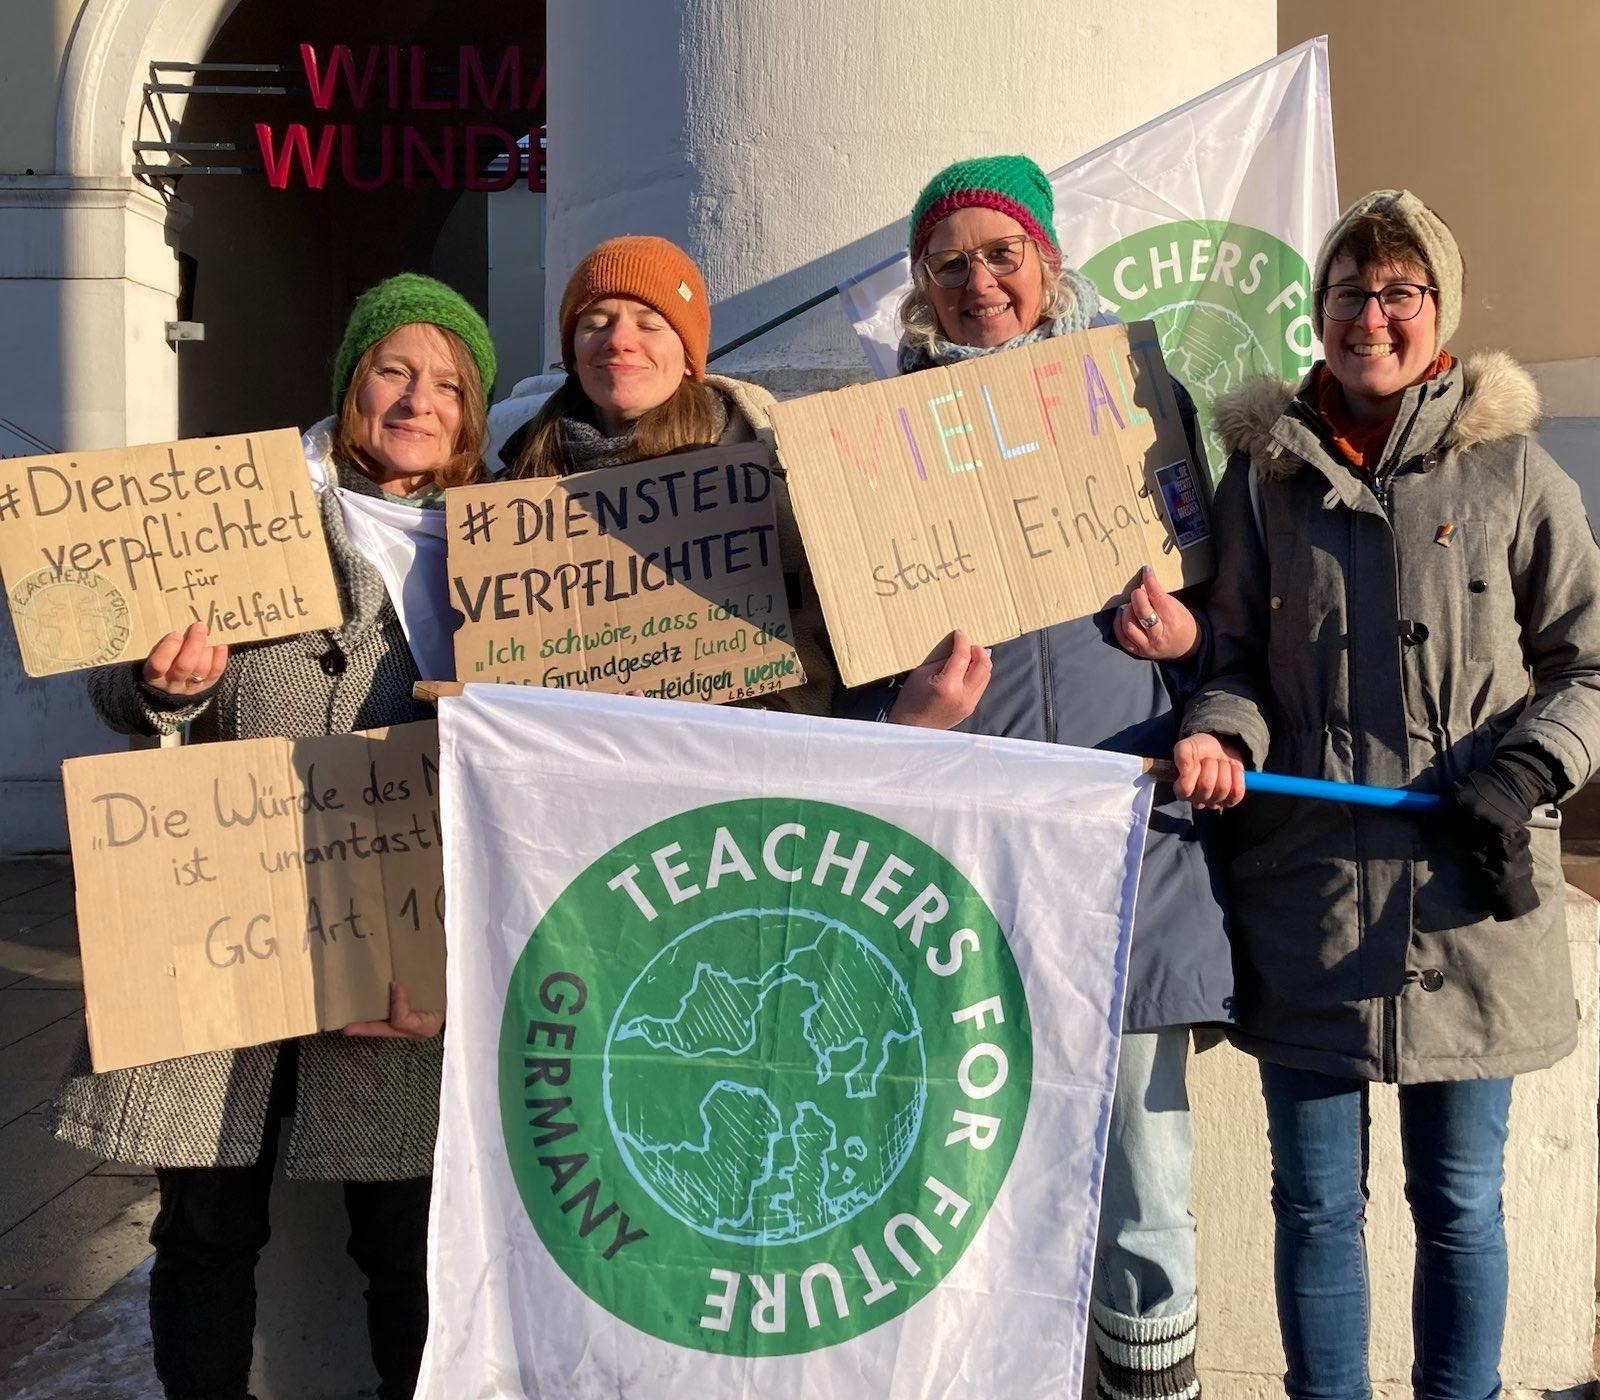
x=651, y=270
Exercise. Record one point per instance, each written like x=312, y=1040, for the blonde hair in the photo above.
x=466, y=462
x=919, y=322
x=685, y=420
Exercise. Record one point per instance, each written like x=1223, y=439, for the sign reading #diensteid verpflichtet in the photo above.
x=661, y=576
x=104, y=553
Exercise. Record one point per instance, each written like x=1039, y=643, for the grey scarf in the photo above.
x=586, y=446
x=1078, y=317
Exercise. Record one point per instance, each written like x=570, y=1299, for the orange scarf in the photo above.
x=1359, y=443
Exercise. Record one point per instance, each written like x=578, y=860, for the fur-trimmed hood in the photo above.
x=1499, y=400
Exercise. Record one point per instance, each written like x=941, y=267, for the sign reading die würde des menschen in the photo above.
x=661, y=576
x=235, y=894
x=104, y=553
x=998, y=495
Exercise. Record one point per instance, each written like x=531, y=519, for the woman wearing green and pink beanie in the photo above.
x=989, y=274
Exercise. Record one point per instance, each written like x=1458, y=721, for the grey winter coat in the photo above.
x=1395, y=629
x=365, y=1109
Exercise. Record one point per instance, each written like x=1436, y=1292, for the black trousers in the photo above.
x=208, y=1235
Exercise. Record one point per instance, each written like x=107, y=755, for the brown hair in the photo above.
x=1378, y=239
x=466, y=463
x=685, y=420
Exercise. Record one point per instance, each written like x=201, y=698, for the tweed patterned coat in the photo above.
x=365, y=1109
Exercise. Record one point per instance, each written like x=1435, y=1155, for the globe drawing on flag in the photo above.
x=764, y=1067
x=1228, y=302
x=765, y=1087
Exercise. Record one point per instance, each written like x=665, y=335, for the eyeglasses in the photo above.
x=1399, y=301
x=1002, y=256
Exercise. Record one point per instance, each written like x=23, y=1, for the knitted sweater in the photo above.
x=365, y=1109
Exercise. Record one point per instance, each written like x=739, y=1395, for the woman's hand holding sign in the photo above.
x=1153, y=625
x=185, y=665
x=402, y=1022
x=944, y=690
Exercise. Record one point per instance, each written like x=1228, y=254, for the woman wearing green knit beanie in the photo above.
x=989, y=274
x=410, y=385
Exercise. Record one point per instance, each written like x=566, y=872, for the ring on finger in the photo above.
x=195, y=680
x=1149, y=621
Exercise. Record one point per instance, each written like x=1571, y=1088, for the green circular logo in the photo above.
x=1228, y=301
x=763, y=1069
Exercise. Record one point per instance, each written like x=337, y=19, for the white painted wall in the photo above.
x=783, y=144
x=87, y=284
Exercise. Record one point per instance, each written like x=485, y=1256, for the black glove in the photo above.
x=1489, y=809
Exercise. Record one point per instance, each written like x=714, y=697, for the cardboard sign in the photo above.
x=660, y=576
x=104, y=553
x=998, y=496
x=238, y=893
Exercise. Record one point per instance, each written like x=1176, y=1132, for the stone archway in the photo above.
x=88, y=279
x=106, y=65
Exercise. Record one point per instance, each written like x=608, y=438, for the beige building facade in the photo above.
x=1490, y=112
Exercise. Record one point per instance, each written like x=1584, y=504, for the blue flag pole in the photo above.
x=1359, y=794
x=1356, y=794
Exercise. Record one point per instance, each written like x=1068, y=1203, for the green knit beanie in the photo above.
x=1014, y=185
x=405, y=299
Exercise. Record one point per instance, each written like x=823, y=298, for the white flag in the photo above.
x=406, y=545
x=1204, y=221
x=780, y=1052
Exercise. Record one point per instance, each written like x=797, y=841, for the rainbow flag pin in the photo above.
x=1446, y=534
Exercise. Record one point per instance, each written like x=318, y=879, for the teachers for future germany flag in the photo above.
x=780, y=1052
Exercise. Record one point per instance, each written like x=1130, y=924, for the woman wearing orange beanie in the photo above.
x=635, y=331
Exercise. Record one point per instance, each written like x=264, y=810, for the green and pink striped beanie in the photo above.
x=1014, y=185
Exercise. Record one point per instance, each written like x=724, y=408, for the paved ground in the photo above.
x=71, y=1226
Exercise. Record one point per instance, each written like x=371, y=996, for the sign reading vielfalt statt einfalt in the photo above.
x=998, y=495
x=104, y=553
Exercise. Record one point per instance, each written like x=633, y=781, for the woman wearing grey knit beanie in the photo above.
x=1406, y=596
x=411, y=381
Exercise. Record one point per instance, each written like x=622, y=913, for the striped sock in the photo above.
x=1145, y=1358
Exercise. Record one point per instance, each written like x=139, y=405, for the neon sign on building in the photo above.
x=396, y=77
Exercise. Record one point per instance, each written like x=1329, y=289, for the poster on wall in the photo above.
x=104, y=553
x=771, y=1077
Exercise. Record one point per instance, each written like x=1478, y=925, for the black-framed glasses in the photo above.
x=1002, y=256
x=1399, y=301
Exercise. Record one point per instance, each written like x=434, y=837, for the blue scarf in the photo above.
x=1077, y=317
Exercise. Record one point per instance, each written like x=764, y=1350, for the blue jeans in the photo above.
x=1144, y=1261
x=1452, y=1138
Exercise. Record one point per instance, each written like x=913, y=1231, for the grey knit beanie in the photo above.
x=1438, y=245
